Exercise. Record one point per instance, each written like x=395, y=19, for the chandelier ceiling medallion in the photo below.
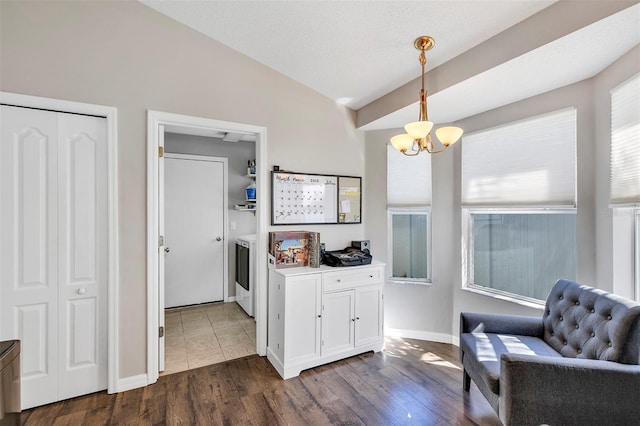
x=418, y=136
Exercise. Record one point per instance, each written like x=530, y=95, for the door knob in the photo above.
x=218, y=238
x=81, y=291
x=167, y=249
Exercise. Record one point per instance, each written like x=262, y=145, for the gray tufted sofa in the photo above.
x=577, y=365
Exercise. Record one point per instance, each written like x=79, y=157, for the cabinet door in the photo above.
x=302, y=322
x=368, y=315
x=275, y=335
x=337, y=322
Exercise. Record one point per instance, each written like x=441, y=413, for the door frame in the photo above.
x=111, y=115
x=199, y=126
x=225, y=210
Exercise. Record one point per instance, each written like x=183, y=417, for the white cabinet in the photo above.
x=320, y=315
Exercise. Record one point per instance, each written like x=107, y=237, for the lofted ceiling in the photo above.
x=357, y=51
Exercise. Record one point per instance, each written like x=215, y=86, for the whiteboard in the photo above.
x=299, y=198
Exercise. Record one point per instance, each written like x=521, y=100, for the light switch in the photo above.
x=233, y=225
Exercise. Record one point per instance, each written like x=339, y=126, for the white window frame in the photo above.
x=391, y=211
x=467, y=252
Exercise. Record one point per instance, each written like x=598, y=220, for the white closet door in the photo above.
x=82, y=254
x=54, y=250
x=28, y=256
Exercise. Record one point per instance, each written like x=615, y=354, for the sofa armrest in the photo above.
x=501, y=324
x=538, y=390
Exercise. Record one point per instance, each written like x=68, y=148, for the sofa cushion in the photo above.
x=483, y=350
x=584, y=322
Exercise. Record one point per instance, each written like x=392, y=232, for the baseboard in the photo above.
x=419, y=334
x=231, y=299
x=131, y=382
x=455, y=340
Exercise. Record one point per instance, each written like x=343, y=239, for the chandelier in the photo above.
x=418, y=136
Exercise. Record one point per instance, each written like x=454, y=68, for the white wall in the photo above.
x=434, y=311
x=123, y=54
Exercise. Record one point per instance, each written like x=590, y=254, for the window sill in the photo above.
x=407, y=281
x=505, y=297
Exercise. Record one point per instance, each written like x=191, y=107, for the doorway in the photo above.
x=158, y=123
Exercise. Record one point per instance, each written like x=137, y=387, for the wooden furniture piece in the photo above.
x=321, y=315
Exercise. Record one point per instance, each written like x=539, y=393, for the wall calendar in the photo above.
x=304, y=198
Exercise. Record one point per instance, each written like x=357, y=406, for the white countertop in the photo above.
x=323, y=268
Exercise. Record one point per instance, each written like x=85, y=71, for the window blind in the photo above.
x=625, y=143
x=408, y=179
x=527, y=163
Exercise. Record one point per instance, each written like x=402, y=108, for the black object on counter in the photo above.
x=349, y=256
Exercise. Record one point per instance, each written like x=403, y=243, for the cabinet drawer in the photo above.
x=351, y=278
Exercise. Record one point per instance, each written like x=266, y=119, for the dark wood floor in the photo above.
x=410, y=382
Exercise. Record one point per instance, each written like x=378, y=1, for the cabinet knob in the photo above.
x=353, y=319
x=370, y=276
x=358, y=318
x=319, y=316
x=338, y=280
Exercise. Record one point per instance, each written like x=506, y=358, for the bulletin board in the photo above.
x=299, y=198
x=349, y=199
x=303, y=198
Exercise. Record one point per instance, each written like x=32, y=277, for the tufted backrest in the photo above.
x=584, y=322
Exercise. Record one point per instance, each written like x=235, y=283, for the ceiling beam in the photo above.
x=554, y=22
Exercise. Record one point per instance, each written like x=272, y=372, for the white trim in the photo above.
x=131, y=382
x=111, y=115
x=507, y=297
x=186, y=123
x=418, y=334
x=225, y=210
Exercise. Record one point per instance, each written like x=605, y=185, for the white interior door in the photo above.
x=194, y=229
x=53, y=266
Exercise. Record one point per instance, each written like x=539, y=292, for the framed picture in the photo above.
x=290, y=249
x=349, y=199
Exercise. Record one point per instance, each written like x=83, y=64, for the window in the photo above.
x=409, y=252
x=519, y=206
x=409, y=210
x=625, y=174
x=625, y=143
x=522, y=253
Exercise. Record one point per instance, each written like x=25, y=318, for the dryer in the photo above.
x=246, y=272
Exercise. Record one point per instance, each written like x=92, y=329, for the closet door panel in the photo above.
x=83, y=257
x=28, y=246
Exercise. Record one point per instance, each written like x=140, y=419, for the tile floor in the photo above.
x=206, y=334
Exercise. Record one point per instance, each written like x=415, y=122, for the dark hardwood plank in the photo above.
x=410, y=382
